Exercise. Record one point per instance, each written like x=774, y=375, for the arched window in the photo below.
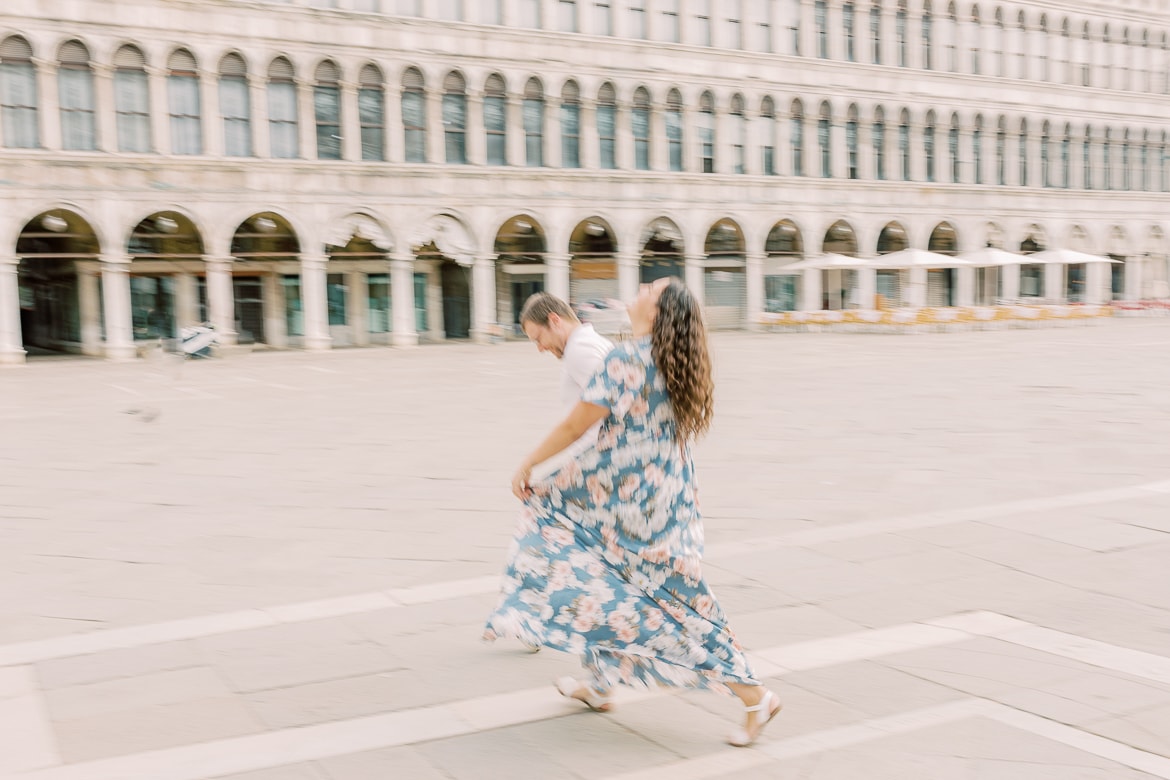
x=1045, y=169
x=1106, y=56
x=1164, y=165
x=953, y=150
x=768, y=136
x=900, y=35
x=950, y=36
x=1165, y=65
x=607, y=126
x=640, y=124
x=821, y=25
x=1066, y=158
x=706, y=124
x=455, y=118
x=977, y=148
x=1087, y=158
x=637, y=19
x=533, y=110
x=738, y=134
x=602, y=18
x=1065, y=52
x=674, y=129
x=904, y=145
x=18, y=94
x=997, y=44
x=1042, y=52
x=796, y=123
x=1001, y=152
x=570, y=125
x=1145, y=174
x=1020, y=45
x=1023, y=153
x=927, y=33
x=1126, y=162
x=733, y=23
x=976, y=41
x=928, y=145
x=131, y=100
x=1124, y=54
x=282, y=109
x=1107, y=160
x=183, y=96
x=530, y=15
x=852, y=167
x=825, y=139
x=235, y=106
x=1142, y=63
x=875, y=33
x=1086, y=57
x=372, y=113
x=878, y=138
x=495, y=120
x=849, y=28
x=327, y=110
x=414, y=116
x=75, y=95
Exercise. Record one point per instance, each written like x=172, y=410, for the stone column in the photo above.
x=867, y=288
x=357, y=304
x=314, y=303
x=589, y=139
x=119, y=322
x=1098, y=280
x=49, y=115
x=306, y=121
x=210, y=121
x=483, y=303
x=258, y=103
x=1011, y=281
x=351, y=129
x=90, y=308
x=724, y=124
x=839, y=159
x=392, y=132
x=659, y=159
x=965, y=286
x=275, y=318
x=811, y=290
x=1134, y=268
x=1054, y=281
x=220, y=299
x=628, y=271
x=755, y=289
x=693, y=274
x=11, y=340
x=917, y=291
x=436, y=139
x=514, y=116
x=160, y=118
x=475, y=138
x=107, y=128
x=403, y=333
x=556, y=275
x=186, y=300
x=551, y=127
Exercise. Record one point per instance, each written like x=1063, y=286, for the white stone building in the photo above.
x=322, y=173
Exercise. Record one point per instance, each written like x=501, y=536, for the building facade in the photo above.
x=322, y=173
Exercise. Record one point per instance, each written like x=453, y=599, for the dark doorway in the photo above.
x=456, y=300
x=249, y=299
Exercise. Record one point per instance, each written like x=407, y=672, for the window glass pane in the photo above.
x=282, y=119
x=327, y=107
x=294, y=316
x=233, y=105
x=379, y=319
x=420, y=303
x=371, y=116
x=335, y=293
x=533, y=111
x=76, y=100
x=131, y=103
x=152, y=307
x=186, y=134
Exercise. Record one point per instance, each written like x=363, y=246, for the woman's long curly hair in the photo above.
x=678, y=341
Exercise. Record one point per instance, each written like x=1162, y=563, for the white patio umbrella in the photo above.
x=917, y=258
x=991, y=256
x=827, y=262
x=1067, y=257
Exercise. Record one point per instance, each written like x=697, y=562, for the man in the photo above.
x=553, y=327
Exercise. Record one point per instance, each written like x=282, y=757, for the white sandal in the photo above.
x=572, y=688
x=768, y=707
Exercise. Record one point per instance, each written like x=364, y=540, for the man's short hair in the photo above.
x=540, y=305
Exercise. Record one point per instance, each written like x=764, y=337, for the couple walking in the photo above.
x=606, y=563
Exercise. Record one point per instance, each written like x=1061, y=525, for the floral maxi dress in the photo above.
x=606, y=562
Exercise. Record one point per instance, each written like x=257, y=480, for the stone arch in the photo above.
x=663, y=250
x=520, y=247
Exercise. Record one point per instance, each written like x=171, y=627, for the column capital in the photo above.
x=313, y=259
x=7, y=261
x=114, y=262
x=557, y=259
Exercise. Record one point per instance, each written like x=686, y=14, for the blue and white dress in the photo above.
x=606, y=562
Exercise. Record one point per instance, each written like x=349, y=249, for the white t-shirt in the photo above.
x=584, y=355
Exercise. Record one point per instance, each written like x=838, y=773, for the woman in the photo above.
x=607, y=560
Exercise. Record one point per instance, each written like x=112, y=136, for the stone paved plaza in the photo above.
x=948, y=553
